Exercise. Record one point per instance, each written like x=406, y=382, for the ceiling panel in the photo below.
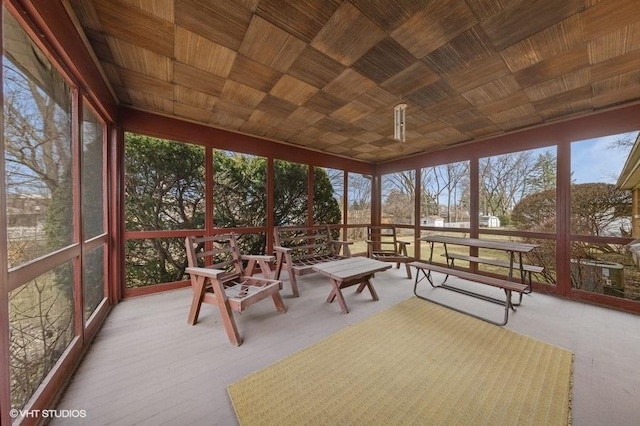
x=326, y=74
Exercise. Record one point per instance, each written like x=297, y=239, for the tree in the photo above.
x=447, y=181
x=239, y=190
x=543, y=174
x=326, y=208
x=596, y=209
x=503, y=181
x=398, y=193
x=359, y=199
x=164, y=189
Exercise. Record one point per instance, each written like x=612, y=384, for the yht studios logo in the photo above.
x=48, y=414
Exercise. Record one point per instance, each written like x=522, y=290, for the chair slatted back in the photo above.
x=383, y=236
x=215, y=252
x=305, y=241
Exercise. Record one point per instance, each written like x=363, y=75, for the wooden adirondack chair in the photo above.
x=222, y=281
x=383, y=244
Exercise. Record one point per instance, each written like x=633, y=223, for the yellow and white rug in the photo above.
x=415, y=363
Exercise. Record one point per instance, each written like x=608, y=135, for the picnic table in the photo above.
x=509, y=285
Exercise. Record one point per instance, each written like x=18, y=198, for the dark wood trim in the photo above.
x=95, y=321
x=310, y=194
x=174, y=129
x=78, y=235
x=152, y=289
x=417, y=233
x=116, y=213
x=605, y=301
x=209, y=188
x=95, y=242
x=26, y=272
x=345, y=203
x=376, y=200
x=181, y=233
x=271, y=220
x=563, y=219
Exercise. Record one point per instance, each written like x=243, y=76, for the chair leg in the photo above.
x=196, y=302
x=408, y=270
x=226, y=313
x=277, y=300
x=278, y=270
x=294, y=283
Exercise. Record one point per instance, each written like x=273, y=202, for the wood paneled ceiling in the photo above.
x=326, y=74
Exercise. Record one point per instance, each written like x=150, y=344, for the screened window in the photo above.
x=601, y=213
x=518, y=190
x=444, y=200
x=598, y=207
x=291, y=192
x=164, y=190
x=93, y=172
x=37, y=133
x=398, y=198
x=239, y=190
x=328, y=191
x=37, y=118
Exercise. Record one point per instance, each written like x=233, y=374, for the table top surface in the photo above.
x=351, y=267
x=481, y=243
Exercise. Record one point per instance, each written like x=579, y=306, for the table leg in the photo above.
x=367, y=283
x=336, y=293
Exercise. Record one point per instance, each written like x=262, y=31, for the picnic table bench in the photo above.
x=529, y=270
x=509, y=285
x=299, y=248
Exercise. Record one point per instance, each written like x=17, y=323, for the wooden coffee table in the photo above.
x=351, y=271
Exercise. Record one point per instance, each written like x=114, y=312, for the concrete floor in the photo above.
x=147, y=366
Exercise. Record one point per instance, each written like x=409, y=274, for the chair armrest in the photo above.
x=282, y=249
x=341, y=242
x=258, y=257
x=207, y=272
x=344, y=246
x=402, y=247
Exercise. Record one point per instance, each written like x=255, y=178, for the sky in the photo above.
x=593, y=160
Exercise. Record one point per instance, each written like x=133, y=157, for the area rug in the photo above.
x=415, y=363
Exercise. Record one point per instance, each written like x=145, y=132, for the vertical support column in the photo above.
x=209, y=202
x=563, y=219
x=116, y=221
x=417, y=233
x=376, y=195
x=345, y=204
x=474, y=205
x=270, y=184
x=78, y=235
x=310, y=194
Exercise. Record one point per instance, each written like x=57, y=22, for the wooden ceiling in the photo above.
x=326, y=74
